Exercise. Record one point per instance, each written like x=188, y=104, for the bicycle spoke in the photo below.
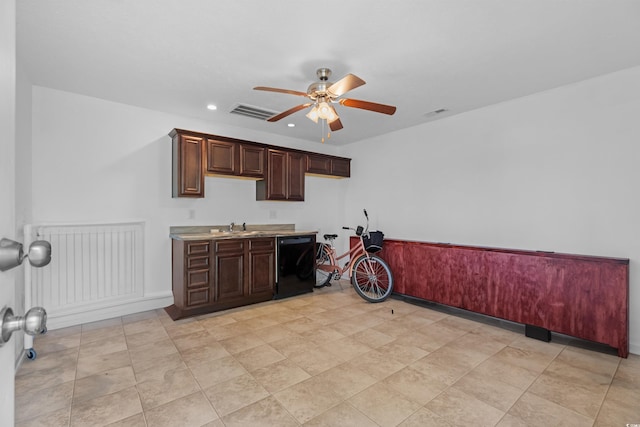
x=323, y=271
x=372, y=279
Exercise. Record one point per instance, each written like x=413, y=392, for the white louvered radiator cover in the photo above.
x=93, y=267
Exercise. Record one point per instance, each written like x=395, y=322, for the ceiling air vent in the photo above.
x=254, y=112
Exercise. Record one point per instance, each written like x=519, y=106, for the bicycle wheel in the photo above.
x=371, y=278
x=323, y=277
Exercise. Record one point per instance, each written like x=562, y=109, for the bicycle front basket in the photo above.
x=373, y=242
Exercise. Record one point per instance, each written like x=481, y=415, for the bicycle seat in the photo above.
x=330, y=236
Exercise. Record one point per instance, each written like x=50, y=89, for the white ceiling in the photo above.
x=420, y=55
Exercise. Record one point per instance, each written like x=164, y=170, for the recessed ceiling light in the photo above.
x=212, y=107
x=291, y=125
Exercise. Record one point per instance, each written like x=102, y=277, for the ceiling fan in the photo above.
x=323, y=94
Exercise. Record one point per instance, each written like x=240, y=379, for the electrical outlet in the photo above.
x=192, y=213
x=273, y=214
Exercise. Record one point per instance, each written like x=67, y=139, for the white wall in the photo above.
x=7, y=192
x=23, y=185
x=95, y=160
x=553, y=171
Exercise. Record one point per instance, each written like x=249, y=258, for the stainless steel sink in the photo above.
x=234, y=233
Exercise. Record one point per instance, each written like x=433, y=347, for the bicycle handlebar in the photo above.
x=354, y=229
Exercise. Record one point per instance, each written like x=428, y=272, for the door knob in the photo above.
x=32, y=323
x=12, y=255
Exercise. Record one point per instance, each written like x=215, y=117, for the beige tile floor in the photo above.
x=322, y=359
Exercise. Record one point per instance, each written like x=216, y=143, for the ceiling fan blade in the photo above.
x=274, y=89
x=345, y=84
x=366, y=105
x=335, y=125
x=288, y=112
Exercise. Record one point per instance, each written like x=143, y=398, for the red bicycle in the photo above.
x=370, y=275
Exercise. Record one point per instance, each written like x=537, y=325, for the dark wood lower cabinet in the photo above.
x=229, y=270
x=581, y=296
x=262, y=264
x=213, y=275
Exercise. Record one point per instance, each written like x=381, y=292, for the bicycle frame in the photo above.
x=354, y=253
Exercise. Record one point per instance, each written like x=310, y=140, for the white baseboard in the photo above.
x=122, y=308
x=634, y=349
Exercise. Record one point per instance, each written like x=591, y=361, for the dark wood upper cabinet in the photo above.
x=320, y=164
x=279, y=171
x=188, y=176
x=341, y=167
x=251, y=161
x=284, y=178
x=222, y=157
x=295, y=179
x=234, y=159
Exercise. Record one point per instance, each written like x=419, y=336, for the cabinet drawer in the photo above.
x=198, y=248
x=232, y=245
x=197, y=297
x=197, y=278
x=262, y=244
x=197, y=262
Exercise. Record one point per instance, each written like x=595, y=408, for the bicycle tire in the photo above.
x=322, y=257
x=371, y=278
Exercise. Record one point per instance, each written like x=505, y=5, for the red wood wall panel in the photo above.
x=582, y=296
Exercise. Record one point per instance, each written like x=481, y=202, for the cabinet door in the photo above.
x=251, y=161
x=330, y=166
x=221, y=157
x=341, y=167
x=188, y=177
x=296, y=165
x=229, y=269
x=318, y=164
x=277, y=175
x=261, y=266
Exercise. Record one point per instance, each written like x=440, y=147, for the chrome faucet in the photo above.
x=231, y=226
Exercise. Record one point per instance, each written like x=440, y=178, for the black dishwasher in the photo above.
x=295, y=260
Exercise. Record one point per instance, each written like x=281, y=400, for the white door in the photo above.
x=7, y=193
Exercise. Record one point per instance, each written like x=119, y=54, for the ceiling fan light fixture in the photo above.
x=313, y=114
x=326, y=112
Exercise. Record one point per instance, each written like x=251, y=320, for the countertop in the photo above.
x=205, y=233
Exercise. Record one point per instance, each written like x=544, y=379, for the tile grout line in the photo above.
x=604, y=398
x=144, y=415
